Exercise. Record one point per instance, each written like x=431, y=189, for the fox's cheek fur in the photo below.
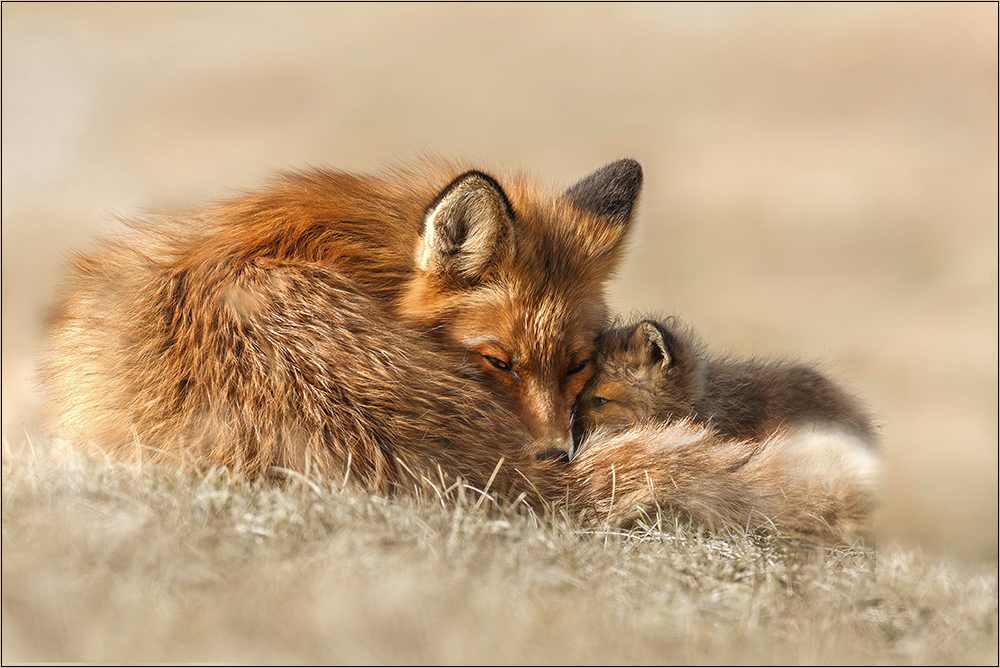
x=612, y=417
x=609, y=404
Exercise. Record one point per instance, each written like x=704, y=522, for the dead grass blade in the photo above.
x=489, y=482
x=295, y=475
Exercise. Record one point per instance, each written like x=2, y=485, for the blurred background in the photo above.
x=821, y=180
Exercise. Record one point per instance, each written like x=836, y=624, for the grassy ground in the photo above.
x=111, y=564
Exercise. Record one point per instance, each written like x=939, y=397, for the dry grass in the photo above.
x=106, y=563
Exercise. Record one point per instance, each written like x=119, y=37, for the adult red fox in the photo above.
x=404, y=329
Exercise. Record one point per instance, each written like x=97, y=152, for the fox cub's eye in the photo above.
x=597, y=402
x=498, y=363
x=577, y=368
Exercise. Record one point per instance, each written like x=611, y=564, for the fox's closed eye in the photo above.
x=577, y=368
x=498, y=363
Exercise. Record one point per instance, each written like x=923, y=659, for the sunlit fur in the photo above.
x=815, y=485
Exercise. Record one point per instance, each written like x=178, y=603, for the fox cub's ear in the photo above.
x=611, y=191
x=468, y=229
x=649, y=347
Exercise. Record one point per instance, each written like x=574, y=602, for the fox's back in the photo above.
x=754, y=399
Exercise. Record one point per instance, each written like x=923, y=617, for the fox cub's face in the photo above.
x=641, y=373
x=516, y=280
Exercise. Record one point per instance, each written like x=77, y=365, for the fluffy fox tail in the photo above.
x=814, y=485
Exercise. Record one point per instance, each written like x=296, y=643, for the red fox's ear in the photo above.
x=649, y=346
x=468, y=229
x=611, y=191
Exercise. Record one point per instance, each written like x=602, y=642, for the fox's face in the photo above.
x=641, y=373
x=517, y=282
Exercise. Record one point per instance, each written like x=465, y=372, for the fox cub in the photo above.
x=655, y=371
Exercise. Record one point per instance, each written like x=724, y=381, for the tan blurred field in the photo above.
x=821, y=180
